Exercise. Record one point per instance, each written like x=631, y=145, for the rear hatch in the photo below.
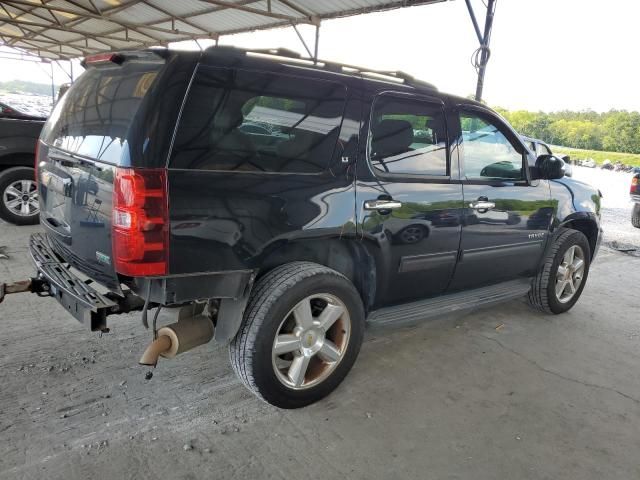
x=89, y=137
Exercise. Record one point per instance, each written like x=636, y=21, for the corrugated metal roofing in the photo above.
x=59, y=29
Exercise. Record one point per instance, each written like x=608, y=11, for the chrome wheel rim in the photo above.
x=21, y=198
x=311, y=341
x=570, y=274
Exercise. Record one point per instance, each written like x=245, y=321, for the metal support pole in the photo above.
x=302, y=40
x=484, y=55
x=53, y=88
x=473, y=20
x=71, y=69
x=315, y=50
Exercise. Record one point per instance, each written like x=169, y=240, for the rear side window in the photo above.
x=408, y=136
x=94, y=117
x=236, y=120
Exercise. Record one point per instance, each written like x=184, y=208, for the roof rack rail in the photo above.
x=276, y=52
x=337, y=67
x=400, y=75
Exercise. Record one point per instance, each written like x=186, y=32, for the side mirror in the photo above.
x=549, y=167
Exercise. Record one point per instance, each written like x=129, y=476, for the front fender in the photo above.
x=578, y=206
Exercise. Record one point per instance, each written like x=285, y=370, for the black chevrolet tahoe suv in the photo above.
x=279, y=205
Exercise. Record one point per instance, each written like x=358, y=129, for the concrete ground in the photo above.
x=494, y=394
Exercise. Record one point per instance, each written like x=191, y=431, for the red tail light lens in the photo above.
x=634, y=185
x=140, y=222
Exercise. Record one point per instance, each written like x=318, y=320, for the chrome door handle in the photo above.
x=482, y=205
x=382, y=205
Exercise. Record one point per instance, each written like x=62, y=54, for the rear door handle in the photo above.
x=382, y=205
x=482, y=205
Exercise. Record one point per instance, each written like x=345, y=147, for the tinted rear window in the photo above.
x=237, y=120
x=94, y=117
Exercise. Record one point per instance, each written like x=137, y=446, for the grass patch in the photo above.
x=599, y=157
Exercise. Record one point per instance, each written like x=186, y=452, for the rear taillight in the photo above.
x=140, y=222
x=634, y=185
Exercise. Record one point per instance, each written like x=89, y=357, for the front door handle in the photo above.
x=382, y=205
x=482, y=206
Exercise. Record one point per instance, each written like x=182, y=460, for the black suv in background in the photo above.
x=276, y=205
x=19, y=132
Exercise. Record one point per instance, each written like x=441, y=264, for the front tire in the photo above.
x=300, y=336
x=19, y=196
x=563, y=275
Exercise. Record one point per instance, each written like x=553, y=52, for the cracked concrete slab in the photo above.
x=504, y=392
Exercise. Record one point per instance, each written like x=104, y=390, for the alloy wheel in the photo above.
x=570, y=274
x=311, y=341
x=21, y=198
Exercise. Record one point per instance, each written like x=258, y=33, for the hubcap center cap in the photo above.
x=311, y=340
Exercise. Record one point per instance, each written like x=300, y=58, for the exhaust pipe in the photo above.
x=177, y=338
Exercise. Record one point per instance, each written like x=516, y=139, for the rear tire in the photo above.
x=300, y=336
x=635, y=215
x=563, y=274
x=19, y=196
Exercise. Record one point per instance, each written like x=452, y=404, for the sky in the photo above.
x=546, y=55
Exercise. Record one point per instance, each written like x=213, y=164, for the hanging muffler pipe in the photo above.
x=177, y=338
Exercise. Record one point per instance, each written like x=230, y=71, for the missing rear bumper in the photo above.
x=77, y=297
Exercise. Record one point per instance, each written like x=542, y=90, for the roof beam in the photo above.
x=69, y=15
x=28, y=12
x=58, y=53
x=183, y=20
x=109, y=35
x=256, y=11
x=295, y=7
x=129, y=25
x=65, y=28
x=40, y=33
x=52, y=42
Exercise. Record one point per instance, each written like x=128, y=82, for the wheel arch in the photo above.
x=13, y=160
x=348, y=256
x=586, y=225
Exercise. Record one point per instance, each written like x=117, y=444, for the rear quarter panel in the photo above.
x=232, y=221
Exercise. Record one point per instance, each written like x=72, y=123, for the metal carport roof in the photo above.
x=63, y=29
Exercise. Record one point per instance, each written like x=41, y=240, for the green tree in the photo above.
x=622, y=132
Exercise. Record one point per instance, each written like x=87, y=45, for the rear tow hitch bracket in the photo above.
x=33, y=285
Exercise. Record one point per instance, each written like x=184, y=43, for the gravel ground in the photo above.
x=616, y=206
x=498, y=393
